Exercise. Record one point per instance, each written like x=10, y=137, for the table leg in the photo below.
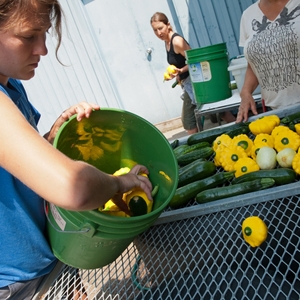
x=199, y=119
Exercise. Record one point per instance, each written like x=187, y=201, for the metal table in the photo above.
x=198, y=252
x=220, y=106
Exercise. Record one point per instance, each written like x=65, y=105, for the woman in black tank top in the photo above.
x=176, y=46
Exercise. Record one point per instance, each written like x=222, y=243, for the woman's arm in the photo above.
x=70, y=184
x=180, y=46
x=247, y=101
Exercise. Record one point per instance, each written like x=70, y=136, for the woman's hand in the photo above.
x=247, y=102
x=82, y=109
x=131, y=180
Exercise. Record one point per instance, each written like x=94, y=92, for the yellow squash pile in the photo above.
x=274, y=145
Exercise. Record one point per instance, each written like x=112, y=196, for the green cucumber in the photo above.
x=292, y=126
x=187, y=158
x=288, y=119
x=188, y=192
x=234, y=190
x=195, y=147
x=280, y=175
x=174, y=144
x=183, y=168
x=211, y=134
x=180, y=149
x=235, y=132
x=296, y=121
x=196, y=171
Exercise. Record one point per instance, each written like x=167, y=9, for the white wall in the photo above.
x=104, y=49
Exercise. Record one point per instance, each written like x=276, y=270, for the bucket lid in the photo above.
x=237, y=63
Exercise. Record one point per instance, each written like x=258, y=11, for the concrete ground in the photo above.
x=172, y=129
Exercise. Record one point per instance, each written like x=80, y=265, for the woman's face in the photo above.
x=161, y=30
x=22, y=46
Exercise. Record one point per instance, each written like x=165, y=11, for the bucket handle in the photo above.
x=61, y=231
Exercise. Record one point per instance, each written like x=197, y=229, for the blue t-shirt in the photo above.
x=24, y=251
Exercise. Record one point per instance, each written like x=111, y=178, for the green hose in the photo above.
x=134, y=277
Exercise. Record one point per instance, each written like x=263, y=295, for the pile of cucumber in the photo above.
x=202, y=181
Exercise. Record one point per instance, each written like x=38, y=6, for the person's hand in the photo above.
x=135, y=179
x=82, y=109
x=247, y=103
x=131, y=180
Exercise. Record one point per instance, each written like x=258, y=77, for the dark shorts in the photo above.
x=188, y=113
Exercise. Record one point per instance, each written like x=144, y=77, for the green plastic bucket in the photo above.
x=91, y=239
x=208, y=68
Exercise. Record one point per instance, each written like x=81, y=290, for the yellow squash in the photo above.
x=142, y=201
x=138, y=202
x=245, y=165
x=297, y=128
x=296, y=163
x=167, y=76
x=244, y=141
x=171, y=69
x=218, y=155
x=222, y=140
x=264, y=138
x=265, y=124
x=278, y=129
x=255, y=231
x=287, y=139
x=230, y=155
x=256, y=148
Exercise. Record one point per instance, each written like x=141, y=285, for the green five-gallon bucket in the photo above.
x=208, y=68
x=109, y=139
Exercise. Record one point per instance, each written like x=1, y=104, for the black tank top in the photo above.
x=176, y=59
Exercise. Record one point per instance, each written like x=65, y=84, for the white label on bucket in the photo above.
x=200, y=72
x=57, y=217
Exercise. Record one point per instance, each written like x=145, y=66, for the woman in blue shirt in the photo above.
x=31, y=169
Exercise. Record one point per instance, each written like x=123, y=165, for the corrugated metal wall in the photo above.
x=105, y=52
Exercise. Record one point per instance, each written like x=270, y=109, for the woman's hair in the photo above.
x=159, y=17
x=13, y=12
